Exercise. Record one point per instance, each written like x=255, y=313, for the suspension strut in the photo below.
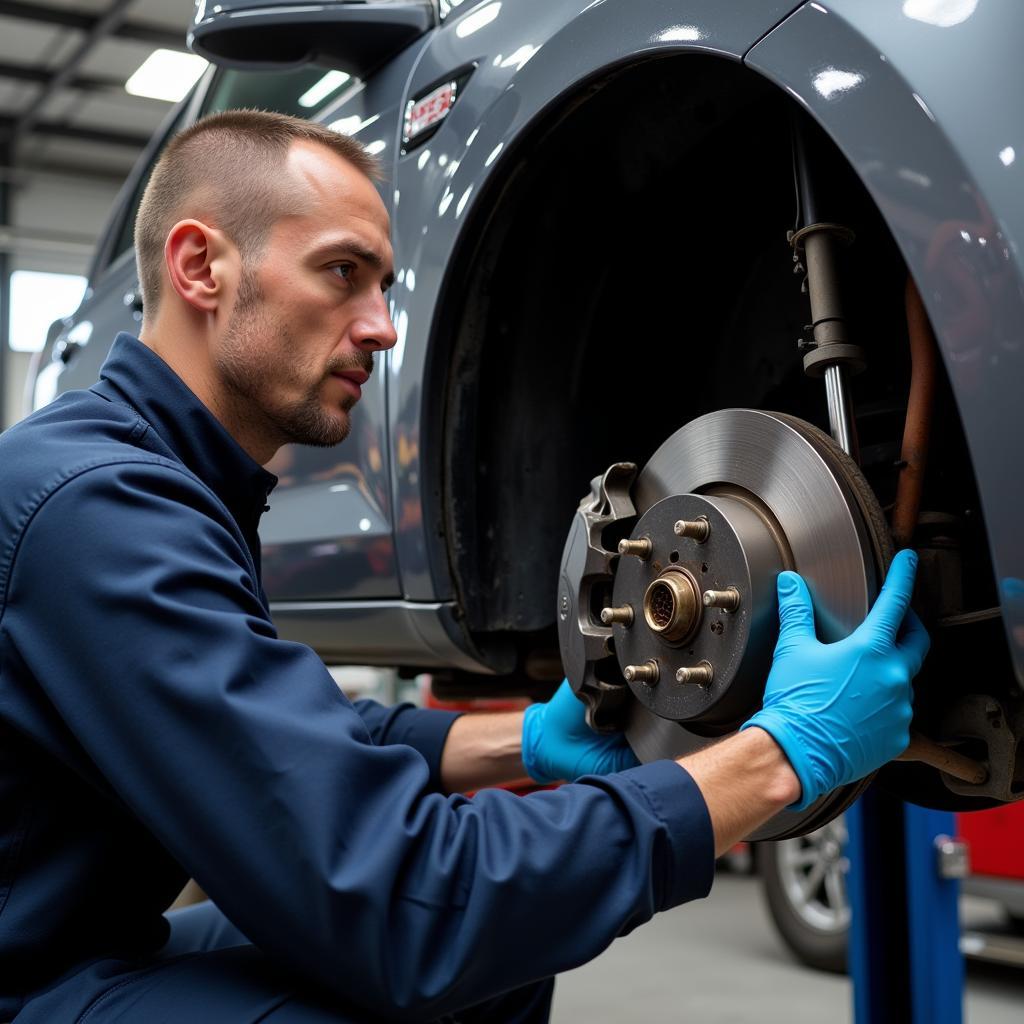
x=828, y=352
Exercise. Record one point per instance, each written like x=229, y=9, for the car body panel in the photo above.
x=105, y=310
x=424, y=633
x=909, y=93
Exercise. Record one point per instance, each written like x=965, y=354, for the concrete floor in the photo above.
x=720, y=962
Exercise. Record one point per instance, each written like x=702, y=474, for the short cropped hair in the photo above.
x=233, y=162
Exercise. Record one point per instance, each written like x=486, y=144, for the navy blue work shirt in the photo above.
x=153, y=726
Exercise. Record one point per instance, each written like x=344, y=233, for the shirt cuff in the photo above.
x=426, y=731
x=688, y=868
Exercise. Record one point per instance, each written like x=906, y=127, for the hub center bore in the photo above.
x=672, y=605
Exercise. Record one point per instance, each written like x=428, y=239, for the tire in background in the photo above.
x=805, y=891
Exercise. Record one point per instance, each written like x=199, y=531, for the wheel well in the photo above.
x=633, y=272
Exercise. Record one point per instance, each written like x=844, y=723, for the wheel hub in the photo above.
x=706, y=605
x=672, y=637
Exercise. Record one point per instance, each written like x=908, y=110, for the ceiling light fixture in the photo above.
x=166, y=75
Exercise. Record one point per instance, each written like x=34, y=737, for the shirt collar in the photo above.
x=187, y=426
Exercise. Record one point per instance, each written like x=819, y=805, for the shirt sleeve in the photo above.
x=423, y=729
x=236, y=749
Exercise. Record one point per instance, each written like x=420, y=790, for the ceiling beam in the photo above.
x=100, y=29
x=20, y=174
x=104, y=136
x=40, y=76
x=63, y=17
x=17, y=239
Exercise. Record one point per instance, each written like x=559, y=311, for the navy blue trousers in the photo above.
x=209, y=973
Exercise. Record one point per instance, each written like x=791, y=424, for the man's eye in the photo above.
x=343, y=271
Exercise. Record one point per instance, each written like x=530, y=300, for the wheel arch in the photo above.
x=498, y=593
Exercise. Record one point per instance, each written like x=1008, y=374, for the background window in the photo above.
x=37, y=299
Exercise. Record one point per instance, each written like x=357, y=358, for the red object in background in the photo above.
x=996, y=840
x=428, y=700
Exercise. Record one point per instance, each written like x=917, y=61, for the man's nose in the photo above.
x=374, y=330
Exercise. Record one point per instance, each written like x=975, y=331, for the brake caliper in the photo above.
x=584, y=589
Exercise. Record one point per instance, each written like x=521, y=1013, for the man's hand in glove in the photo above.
x=839, y=711
x=558, y=743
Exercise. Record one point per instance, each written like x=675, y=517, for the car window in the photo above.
x=126, y=233
x=301, y=91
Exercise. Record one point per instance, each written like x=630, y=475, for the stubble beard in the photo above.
x=252, y=368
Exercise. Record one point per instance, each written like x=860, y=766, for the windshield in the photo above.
x=302, y=91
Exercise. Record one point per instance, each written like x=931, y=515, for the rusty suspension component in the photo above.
x=949, y=761
x=917, y=431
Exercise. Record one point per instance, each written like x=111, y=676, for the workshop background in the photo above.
x=83, y=85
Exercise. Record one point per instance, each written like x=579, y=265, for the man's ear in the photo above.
x=198, y=261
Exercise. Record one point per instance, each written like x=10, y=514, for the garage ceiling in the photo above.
x=63, y=66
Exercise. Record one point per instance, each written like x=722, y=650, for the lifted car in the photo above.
x=754, y=268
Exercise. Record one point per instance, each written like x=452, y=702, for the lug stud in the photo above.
x=729, y=599
x=623, y=614
x=702, y=674
x=698, y=529
x=641, y=547
x=645, y=673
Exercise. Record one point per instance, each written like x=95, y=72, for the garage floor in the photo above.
x=719, y=962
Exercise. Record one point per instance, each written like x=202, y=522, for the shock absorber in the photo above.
x=828, y=352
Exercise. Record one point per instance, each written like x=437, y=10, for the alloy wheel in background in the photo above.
x=805, y=888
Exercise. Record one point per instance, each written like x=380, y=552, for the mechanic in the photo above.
x=154, y=727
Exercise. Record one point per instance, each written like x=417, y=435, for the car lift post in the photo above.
x=905, y=960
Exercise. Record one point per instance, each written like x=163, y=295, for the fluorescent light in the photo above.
x=166, y=75
x=323, y=88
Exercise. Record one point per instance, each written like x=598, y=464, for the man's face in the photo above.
x=309, y=314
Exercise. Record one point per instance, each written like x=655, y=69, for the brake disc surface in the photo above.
x=695, y=609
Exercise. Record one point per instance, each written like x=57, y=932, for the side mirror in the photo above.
x=355, y=36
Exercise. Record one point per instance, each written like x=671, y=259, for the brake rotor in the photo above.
x=690, y=609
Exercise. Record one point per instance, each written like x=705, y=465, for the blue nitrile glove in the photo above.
x=841, y=710
x=558, y=743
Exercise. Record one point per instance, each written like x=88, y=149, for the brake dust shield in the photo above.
x=672, y=639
